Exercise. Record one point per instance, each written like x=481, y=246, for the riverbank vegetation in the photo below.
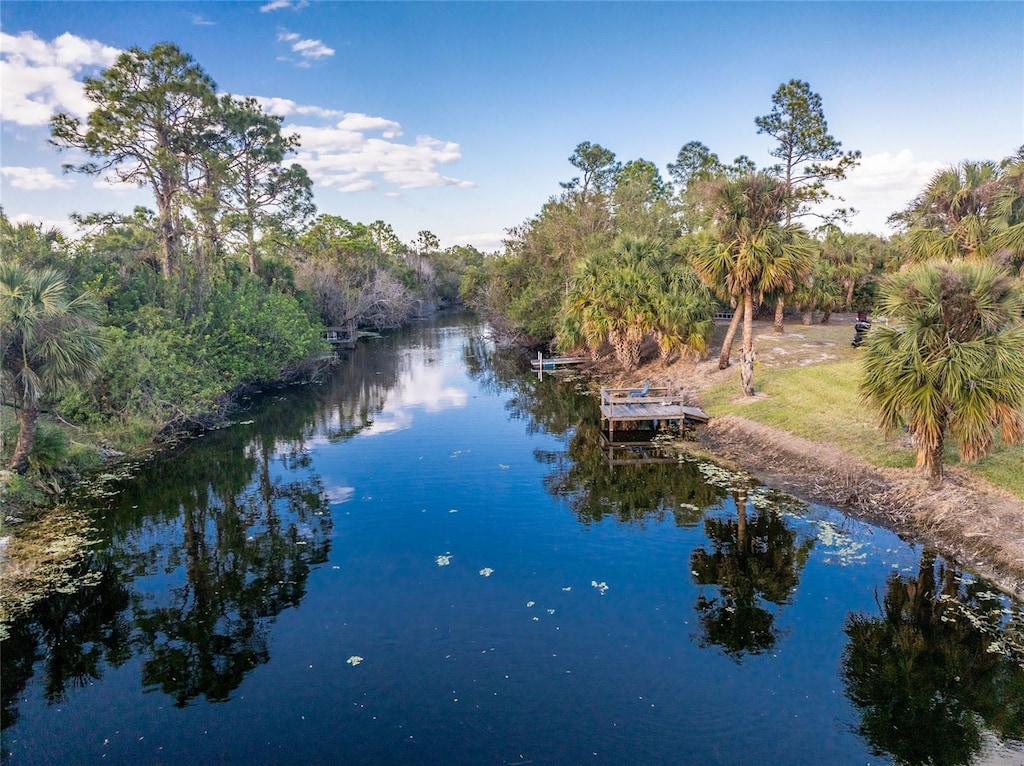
x=225, y=288
x=732, y=240
x=228, y=285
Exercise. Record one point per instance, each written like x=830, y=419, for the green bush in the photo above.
x=51, y=448
x=173, y=372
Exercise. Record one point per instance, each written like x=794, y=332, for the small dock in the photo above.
x=555, y=363
x=624, y=407
x=343, y=337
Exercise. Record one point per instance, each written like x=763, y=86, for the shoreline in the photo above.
x=967, y=519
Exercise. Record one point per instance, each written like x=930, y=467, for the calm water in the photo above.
x=431, y=559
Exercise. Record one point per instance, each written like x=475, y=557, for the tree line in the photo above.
x=154, y=322
x=622, y=260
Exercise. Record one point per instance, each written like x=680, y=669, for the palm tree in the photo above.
x=628, y=292
x=749, y=252
x=49, y=339
x=952, y=362
x=950, y=219
x=1008, y=213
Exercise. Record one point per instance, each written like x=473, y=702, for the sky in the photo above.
x=459, y=118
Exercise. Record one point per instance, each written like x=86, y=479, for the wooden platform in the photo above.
x=345, y=337
x=556, y=362
x=620, y=406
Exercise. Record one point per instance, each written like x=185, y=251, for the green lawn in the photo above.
x=820, y=402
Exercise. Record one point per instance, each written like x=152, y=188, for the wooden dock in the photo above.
x=544, y=364
x=345, y=337
x=620, y=406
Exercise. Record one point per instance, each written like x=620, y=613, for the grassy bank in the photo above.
x=807, y=381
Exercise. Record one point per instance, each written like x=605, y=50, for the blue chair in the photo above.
x=640, y=392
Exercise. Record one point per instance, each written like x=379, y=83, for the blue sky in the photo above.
x=459, y=117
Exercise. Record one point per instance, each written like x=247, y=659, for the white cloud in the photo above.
x=66, y=227
x=35, y=179
x=487, y=243
x=420, y=388
x=39, y=77
x=360, y=122
x=277, y=5
x=201, y=21
x=285, y=107
x=308, y=49
x=346, y=155
x=339, y=494
x=312, y=49
x=883, y=184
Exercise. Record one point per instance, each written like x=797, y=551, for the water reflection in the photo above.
x=755, y=560
x=632, y=492
x=631, y=488
x=938, y=666
x=240, y=558
x=205, y=550
x=73, y=635
x=201, y=550
x=204, y=546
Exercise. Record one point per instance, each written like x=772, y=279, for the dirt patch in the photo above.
x=971, y=521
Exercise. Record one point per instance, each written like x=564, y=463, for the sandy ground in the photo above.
x=967, y=519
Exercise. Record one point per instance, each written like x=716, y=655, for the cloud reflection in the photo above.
x=420, y=388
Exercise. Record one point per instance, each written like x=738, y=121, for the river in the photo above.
x=432, y=558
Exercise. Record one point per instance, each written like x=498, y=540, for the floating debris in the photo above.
x=502, y=466
x=354, y=660
x=486, y=572
x=444, y=560
x=530, y=604
x=602, y=587
x=843, y=549
x=567, y=588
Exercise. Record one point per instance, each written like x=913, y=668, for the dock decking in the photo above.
x=345, y=337
x=556, y=362
x=627, y=405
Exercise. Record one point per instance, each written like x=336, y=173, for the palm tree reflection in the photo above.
x=754, y=559
x=939, y=670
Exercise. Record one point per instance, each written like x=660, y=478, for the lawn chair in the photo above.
x=640, y=393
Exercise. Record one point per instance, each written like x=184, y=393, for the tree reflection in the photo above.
x=938, y=667
x=582, y=475
x=75, y=635
x=246, y=558
x=206, y=544
x=754, y=558
x=632, y=492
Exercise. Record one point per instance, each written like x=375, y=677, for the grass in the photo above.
x=810, y=376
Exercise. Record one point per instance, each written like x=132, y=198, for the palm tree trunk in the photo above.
x=780, y=308
x=730, y=335
x=747, y=357
x=28, y=418
x=929, y=451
